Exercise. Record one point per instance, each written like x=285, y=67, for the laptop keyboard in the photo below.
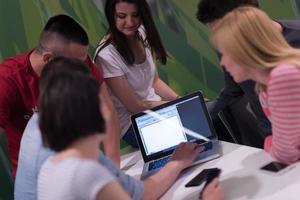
x=159, y=163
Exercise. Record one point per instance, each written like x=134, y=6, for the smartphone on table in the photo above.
x=276, y=167
x=207, y=175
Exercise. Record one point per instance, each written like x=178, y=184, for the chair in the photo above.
x=3, y=143
x=241, y=125
x=229, y=128
x=6, y=180
x=222, y=121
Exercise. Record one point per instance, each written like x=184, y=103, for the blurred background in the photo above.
x=192, y=63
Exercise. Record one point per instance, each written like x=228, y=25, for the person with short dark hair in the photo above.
x=127, y=56
x=19, y=77
x=210, y=12
x=59, y=32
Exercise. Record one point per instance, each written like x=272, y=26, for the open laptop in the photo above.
x=160, y=129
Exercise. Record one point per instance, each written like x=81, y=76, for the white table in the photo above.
x=241, y=177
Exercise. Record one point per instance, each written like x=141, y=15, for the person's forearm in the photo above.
x=152, y=104
x=164, y=91
x=112, y=141
x=112, y=147
x=155, y=186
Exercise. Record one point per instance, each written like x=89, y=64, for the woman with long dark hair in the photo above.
x=127, y=56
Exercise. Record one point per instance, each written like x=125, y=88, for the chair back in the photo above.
x=6, y=180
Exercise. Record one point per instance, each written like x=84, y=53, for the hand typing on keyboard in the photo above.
x=185, y=153
x=159, y=163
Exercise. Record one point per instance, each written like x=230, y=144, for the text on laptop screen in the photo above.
x=164, y=129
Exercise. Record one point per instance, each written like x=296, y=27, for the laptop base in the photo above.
x=213, y=153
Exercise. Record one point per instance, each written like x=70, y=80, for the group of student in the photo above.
x=57, y=106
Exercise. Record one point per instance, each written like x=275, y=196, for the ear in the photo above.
x=47, y=56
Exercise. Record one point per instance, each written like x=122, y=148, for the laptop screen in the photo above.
x=161, y=129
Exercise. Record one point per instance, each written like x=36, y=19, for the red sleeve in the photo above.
x=8, y=102
x=95, y=71
x=8, y=99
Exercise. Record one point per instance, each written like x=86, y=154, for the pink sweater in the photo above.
x=281, y=104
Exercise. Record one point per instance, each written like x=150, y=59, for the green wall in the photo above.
x=192, y=63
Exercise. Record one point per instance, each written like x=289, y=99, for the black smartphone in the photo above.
x=204, y=175
x=211, y=175
x=274, y=166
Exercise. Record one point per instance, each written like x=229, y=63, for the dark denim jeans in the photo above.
x=129, y=137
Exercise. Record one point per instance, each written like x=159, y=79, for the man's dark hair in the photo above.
x=118, y=38
x=69, y=104
x=64, y=29
x=61, y=65
x=211, y=10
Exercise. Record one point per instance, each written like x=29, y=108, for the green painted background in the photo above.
x=192, y=64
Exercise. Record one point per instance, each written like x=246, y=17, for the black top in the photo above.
x=232, y=90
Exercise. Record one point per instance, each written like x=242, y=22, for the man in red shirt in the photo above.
x=19, y=77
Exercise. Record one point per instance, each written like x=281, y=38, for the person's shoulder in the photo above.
x=32, y=129
x=90, y=164
x=47, y=168
x=14, y=65
x=109, y=49
x=91, y=170
x=110, y=54
x=105, y=46
x=285, y=68
x=290, y=24
x=142, y=31
x=285, y=71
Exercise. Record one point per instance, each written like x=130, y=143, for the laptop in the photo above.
x=161, y=129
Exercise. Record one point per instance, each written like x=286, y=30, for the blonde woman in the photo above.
x=253, y=48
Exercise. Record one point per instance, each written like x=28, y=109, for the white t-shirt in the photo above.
x=72, y=178
x=139, y=76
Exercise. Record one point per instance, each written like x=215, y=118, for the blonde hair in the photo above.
x=250, y=38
